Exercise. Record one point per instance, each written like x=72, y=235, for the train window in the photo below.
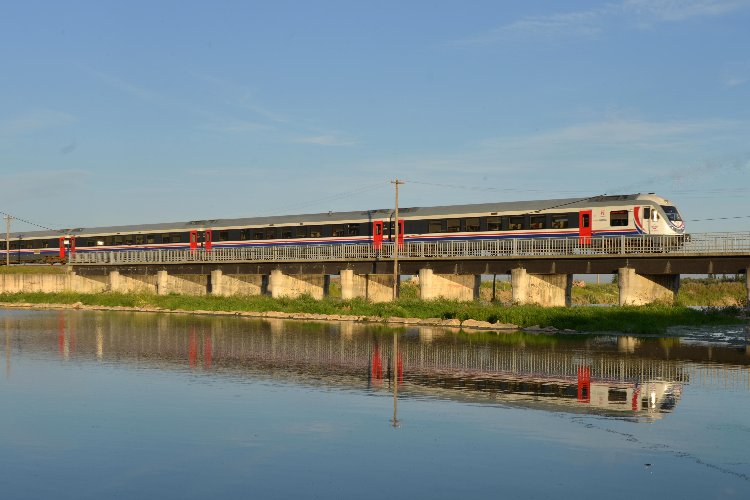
x=270, y=233
x=150, y=239
x=118, y=240
x=139, y=239
x=537, y=221
x=339, y=231
x=314, y=232
x=258, y=234
x=454, y=226
x=617, y=396
x=515, y=223
x=286, y=232
x=472, y=224
x=352, y=229
x=618, y=218
x=223, y=235
x=245, y=234
x=435, y=226
x=672, y=213
x=646, y=213
x=301, y=232
x=559, y=221
x=494, y=224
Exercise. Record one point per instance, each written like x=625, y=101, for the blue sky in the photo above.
x=134, y=112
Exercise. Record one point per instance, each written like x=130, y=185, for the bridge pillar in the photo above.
x=294, y=285
x=128, y=284
x=373, y=287
x=162, y=283
x=448, y=286
x=548, y=290
x=184, y=284
x=235, y=284
x=638, y=289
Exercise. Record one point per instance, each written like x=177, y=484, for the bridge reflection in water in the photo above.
x=626, y=377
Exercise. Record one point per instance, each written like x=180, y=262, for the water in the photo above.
x=127, y=405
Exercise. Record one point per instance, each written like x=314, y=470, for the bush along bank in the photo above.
x=650, y=319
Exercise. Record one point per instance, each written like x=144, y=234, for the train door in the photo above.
x=208, y=239
x=202, y=239
x=584, y=227
x=193, y=240
x=377, y=234
x=584, y=384
x=67, y=244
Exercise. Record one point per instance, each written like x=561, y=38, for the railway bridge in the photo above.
x=541, y=269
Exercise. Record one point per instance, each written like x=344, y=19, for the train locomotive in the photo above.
x=646, y=215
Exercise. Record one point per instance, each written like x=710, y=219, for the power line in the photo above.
x=29, y=222
x=720, y=218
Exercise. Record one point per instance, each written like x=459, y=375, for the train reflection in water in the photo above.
x=624, y=377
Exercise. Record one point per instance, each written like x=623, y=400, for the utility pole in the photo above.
x=395, y=243
x=7, y=218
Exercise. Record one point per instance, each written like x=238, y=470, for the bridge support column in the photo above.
x=235, y=284
x=548, y=290
x=162, y=283
x=373, y=287
x=288, y=285
x=638, y=289
x=128, y=284
x=448, y=286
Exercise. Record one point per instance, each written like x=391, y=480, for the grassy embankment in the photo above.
x=643, y=319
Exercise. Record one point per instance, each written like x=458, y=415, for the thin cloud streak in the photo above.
x=620, y=132
x=325, y=140
x=592, y=22
x=33, y=121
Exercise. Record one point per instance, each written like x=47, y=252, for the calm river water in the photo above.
x=134, y=405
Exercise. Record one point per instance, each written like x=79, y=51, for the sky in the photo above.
x=138, y=112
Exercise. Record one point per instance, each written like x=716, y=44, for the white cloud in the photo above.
x=576, y=24
x=325, y=140
x=652, y=11
x=236, y=126
x=35, y=120
x=635, y=134
x=592, y=22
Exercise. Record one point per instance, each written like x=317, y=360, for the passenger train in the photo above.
x=582, y=218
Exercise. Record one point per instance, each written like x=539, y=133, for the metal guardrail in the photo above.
x=695, y=244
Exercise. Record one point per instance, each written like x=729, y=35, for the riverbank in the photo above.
x=653, y=318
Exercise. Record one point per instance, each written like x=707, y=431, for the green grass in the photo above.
x=36, y=269
x=635, y=319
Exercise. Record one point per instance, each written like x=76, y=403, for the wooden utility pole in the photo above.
x=395, y=243
x=8, y=218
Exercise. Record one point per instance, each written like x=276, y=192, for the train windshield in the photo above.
x=672, y=213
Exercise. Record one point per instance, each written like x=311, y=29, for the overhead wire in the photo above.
x=29, y=222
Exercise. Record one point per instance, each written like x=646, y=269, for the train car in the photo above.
x=582, y=218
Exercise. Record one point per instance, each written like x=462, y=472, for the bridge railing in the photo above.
x=695, y=244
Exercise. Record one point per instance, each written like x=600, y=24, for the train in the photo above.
x=582, y=218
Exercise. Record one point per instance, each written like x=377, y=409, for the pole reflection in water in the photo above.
x=638, y=378
x=396, y=379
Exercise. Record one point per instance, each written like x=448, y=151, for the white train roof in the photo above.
x=478, y=209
